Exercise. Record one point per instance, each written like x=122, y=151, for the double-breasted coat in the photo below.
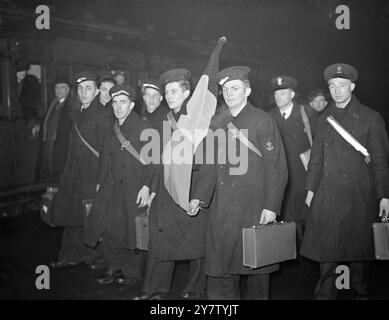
x=121, y=176
x=295, y=142
x=79, y=178
x=239, y=198
x=346, y=188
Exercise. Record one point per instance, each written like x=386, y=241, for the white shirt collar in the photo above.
x=285, y=112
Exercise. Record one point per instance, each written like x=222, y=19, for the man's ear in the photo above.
x=247, y=91
x=352, y=86
x=97, y=92
x=311, y=104
x=292, y=94
x=186, y=93
x=132, y=105
x=160, y=98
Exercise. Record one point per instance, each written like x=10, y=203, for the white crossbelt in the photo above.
x=349, y=138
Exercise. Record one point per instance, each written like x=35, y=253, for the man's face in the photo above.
x=87, y=91
x=20, y=75
x=119, y=79
x=235, y=93
x=175, y=95
x=319, y=103
x=340, y=89
x=104, y=92
x=152, y=99
x=122, y=107
x=61, y=90
x=283, y=97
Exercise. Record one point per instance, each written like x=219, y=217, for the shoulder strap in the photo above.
x=94, y=151
x=244, y=139
x=127, y=144
x=307, y=127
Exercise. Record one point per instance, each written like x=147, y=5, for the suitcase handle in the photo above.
x=269, y=224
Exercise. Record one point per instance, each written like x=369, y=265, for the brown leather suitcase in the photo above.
x=381, y=240
x=142, y=231
x=269, y=244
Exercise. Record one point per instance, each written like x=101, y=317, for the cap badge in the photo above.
x=339, y=69
x=279, y=81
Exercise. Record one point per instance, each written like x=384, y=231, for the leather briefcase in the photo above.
x=381, y=240
x=269, y=244
x=45, y=208
x=142, y=231
x=87, y=207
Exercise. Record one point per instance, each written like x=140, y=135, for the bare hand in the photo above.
x=309, y=198
x=194, y=207
x=97, y=187
x=267, y=216
x=384, y=208
x=143, y=197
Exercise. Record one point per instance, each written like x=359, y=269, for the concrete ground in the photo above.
x=26, y=242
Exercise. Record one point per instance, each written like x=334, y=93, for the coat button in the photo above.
x=121, y=181
x=160, y=229
x=221, y=183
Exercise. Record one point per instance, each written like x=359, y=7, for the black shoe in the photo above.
x=146, y=296
x=62, y=264
x=97, y=266
x=108, y=277
x=191, y=295
x=122, y=279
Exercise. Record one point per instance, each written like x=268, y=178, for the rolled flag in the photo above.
x=191, y=129
x=349, y=138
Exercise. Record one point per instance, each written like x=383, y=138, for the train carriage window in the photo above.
x=29, y=92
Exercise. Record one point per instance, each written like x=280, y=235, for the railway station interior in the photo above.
x=141, y=39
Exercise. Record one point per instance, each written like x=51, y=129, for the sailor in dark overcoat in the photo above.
x=174, y=235
x=289, y=119
x=79, y=179
x=125, y=184
x=244, y=198
x=345, y=186
x=154, y=110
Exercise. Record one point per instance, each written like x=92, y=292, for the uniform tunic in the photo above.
x=121, y=176
x=79, y=179
x=347, y=189
x=295, y=142
x=239, y=199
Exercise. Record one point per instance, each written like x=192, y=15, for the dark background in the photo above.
x=297, y=38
